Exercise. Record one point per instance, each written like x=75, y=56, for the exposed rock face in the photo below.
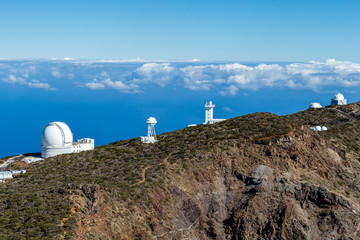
x=260, y=176
x=270, y=207
x=91, y=210
x=285, y=210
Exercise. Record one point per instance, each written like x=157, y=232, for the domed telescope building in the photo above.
x=315, y=105
x=338, y=99
x=57, y=139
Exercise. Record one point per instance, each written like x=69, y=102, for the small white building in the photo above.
x=57, y=139
x=209, y=114
x=84, y=144
x=315, y=105
x=31, y=159
x=5, y=175
x=15, y=172
x=338, y=99
x=151, y=135
x=10, y=174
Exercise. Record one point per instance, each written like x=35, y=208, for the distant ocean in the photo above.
x=111, y=100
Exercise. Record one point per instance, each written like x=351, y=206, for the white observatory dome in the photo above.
x=151, y=120
x=317, y=128
x=56, y=133
x=56, y=139
x=315, y=105
x=339, y=97
x=323, y=128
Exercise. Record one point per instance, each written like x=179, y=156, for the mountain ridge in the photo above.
x=257, y=176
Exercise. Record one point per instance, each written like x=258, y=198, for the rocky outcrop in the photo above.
x=90, y=211
x=281, y=209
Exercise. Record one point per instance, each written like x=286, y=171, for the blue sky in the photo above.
x=278, y=30
x=103, y=67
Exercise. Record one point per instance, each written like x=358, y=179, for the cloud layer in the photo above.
x=137, y=76
x=235, y=76
x=21, y=75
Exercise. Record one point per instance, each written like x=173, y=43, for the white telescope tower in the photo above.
x=209, y=114
x=151, y=135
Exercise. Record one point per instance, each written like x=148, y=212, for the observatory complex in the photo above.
x=209, y=114
x=338, y=99
x=57, y=139
x=151, y=135
x=319, y=128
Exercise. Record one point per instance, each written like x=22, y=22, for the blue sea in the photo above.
x=111, y=100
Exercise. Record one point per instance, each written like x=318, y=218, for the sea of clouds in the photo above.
x=134, y=77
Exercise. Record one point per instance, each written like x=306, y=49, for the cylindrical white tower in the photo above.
x=209, y=113
x=56, y=139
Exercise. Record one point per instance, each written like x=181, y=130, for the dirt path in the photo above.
x=143, y=175
x=348, y=115
x=165, y=161
x=73, y=211
x=9, y=161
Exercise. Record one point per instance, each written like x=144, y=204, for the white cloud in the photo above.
x=108, y=83
x=194, y=60
x=122, y=87
x=13, y=79
x=71, y=76
x=95, y=85
x=201, y=77
x=104, y=74
x=42, y=85
x=56, y=74
x=38, y=85
x=227, y=109
x=159, y=73
x=31, y=68
x=292, y=84
x=236, y=76
x=231, y=90
x=20, y=73
x=311, y=75
x=197, y=84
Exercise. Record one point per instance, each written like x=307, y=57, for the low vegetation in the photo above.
x=37, y=205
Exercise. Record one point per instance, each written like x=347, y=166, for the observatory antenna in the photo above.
x=151, y=127
x=151, y=135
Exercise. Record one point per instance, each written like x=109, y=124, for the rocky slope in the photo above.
x=258, y=176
